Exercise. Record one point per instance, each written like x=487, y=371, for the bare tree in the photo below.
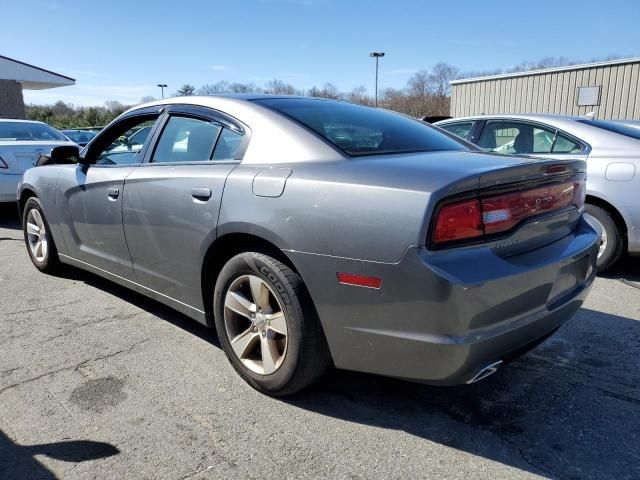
x=359, y=95
x=278, y=87
x=147, y=98
x=211, y=89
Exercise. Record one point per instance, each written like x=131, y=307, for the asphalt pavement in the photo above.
x=100, y=382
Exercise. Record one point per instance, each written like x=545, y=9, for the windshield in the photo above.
x=79, y=136
x=26, y=131
x=615, y=127
x=358, y=130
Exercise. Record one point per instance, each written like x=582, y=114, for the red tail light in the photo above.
x=477, y=218
x=458, y=221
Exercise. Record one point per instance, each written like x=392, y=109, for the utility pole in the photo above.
x=162, y=87
x=377, y=56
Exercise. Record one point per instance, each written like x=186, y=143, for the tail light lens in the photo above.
x=482, y=217
x=3, y=164
x=459, y=221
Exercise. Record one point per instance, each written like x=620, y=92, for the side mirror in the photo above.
x=62, y=155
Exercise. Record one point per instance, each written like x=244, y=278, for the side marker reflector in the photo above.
x=359, y=280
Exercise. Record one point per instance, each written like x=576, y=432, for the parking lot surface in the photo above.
x=100, y=382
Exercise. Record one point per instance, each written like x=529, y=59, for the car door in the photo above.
x=89, y=197
x=171, y=202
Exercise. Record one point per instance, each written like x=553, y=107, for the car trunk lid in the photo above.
x=512, y=209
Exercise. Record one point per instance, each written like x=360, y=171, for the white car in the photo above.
x=21, y=143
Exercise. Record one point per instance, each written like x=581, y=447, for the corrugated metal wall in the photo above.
x=554, y=93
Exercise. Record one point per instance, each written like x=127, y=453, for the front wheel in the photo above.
x=267, y=325
x=611, y=241
x=37, y=237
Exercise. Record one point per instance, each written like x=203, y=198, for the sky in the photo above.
x=120, y=50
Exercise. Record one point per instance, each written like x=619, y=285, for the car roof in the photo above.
x=578, y=126
x=264, y=124
x=518, y=116
x=18, y=120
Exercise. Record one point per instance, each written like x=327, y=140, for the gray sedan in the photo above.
x=312, y=233
x=612, y=152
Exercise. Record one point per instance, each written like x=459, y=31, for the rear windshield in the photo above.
x=633, y=132
x=358, y=130
x=25, y=131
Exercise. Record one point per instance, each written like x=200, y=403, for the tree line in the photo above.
x=426, y=93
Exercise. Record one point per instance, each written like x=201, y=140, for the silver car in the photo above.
x=612, y=152
x=311, y=232
x=21, y=144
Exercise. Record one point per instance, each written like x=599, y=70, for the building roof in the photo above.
x=582, y=66
x=30, y=76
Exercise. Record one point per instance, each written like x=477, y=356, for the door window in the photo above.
x=461, y=129
x=516, y=138
x=186, y=140
x=122, y=143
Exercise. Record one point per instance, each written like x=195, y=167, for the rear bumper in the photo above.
x=441, y=317
x=9, y=187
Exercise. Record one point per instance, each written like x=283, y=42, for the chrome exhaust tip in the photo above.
x=486, y=371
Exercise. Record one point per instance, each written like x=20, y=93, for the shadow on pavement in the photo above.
x=627, y=269
x=19, y=462
x=569, y=409
x=9, y=216
x=156, y=308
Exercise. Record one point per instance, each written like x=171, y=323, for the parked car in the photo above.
x=21, y=143
x=312, y=232
x=612, y=152
x=80, y=137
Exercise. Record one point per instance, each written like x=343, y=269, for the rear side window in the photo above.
x=358, y=130
x=461, y=129
x=227, y=146
x=565, y=145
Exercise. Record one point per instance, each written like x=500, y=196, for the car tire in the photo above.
x=612, y=242
x=272, y=363
x=37, y=237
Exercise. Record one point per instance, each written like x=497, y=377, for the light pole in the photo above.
x=377, y=56
x=162, y=87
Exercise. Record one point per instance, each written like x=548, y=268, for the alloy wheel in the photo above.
x=255, y=324
x=37, y=235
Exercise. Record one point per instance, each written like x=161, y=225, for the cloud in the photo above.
x=219, y=68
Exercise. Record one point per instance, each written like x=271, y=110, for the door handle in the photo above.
x=201, y=193
x=113, y=193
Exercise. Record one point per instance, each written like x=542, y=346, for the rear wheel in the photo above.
x=611, y=241
x=37, y=236
x=267, y=325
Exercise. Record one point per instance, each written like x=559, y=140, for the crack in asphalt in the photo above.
x=17, y=312
x=73, y=367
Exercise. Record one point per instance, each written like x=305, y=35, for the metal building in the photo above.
x=16, y=76
x=610, y=89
